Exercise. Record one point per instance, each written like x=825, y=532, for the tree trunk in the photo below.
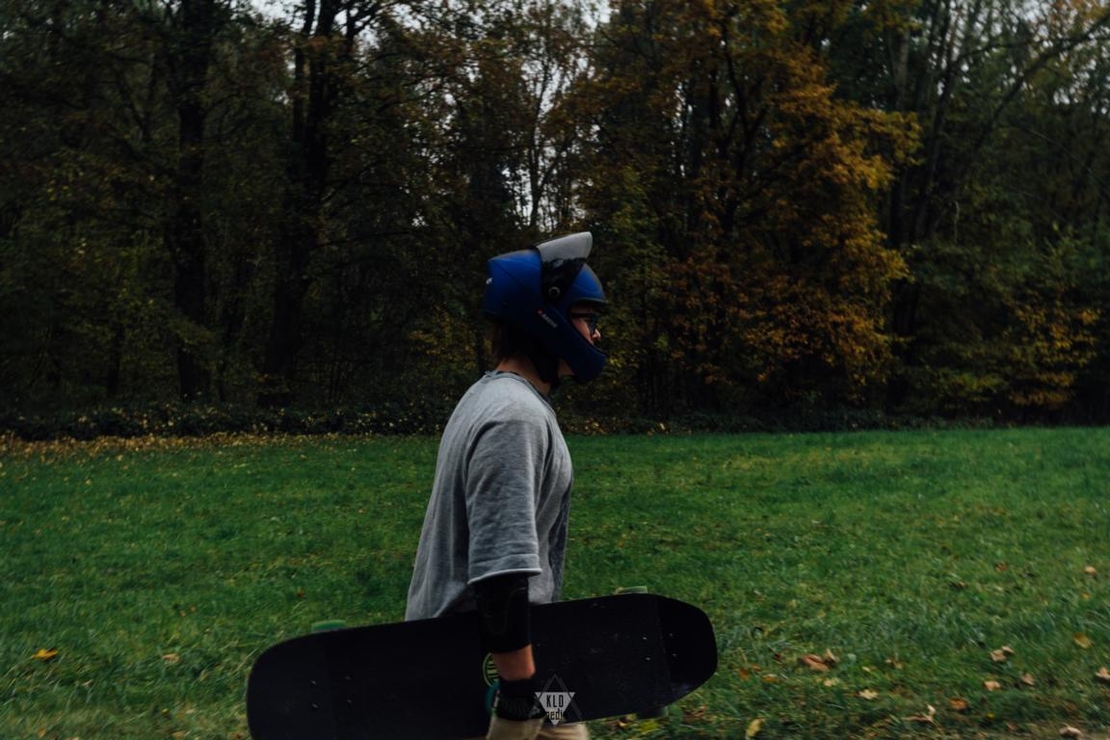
x=309, y=168
x=185, y=237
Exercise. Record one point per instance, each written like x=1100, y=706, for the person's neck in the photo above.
x=524, y=367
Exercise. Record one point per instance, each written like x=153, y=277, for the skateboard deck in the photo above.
x=430, y=679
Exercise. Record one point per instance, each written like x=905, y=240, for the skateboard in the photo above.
x=430, y=679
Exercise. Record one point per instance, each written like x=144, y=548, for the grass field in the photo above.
x=871, y=585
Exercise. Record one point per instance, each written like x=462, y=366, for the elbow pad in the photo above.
x=505, y=612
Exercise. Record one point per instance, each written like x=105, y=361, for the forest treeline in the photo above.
x=891, y=206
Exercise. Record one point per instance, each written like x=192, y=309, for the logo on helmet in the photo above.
x=547, y=319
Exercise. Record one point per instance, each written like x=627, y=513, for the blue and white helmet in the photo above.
x=534, y=290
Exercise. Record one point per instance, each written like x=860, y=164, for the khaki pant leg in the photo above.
x=571, y=731
x=504, y=729
x=500, y=729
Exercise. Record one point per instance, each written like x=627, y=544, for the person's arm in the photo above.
x=516, y=665
x=506, y=632
x=506, y=623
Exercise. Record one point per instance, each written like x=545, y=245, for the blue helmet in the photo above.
x=534, y=289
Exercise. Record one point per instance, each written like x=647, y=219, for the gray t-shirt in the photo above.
x=499, y=501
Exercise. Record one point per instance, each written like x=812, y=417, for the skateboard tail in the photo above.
x=690, y=643
x=303, y=710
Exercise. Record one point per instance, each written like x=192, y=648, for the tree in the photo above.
x=83, y=227
x=769, y=278
x=195, y=24
x=349, y=79
x=966, y=69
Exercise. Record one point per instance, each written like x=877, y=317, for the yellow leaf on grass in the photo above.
x=46, y=654
x=1083, y=641
x=868, y=694
x=1103, y=674
x=753, y=728
x=992, y=685
x=1002, y=654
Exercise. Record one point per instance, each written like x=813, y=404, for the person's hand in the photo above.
x=516, y=694
x=517, y=701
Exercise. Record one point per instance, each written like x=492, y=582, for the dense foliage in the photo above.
x=899, y=206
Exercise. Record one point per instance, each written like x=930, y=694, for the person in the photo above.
x=495, y=530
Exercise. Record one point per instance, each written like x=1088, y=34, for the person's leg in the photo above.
x=500, y=729
x=503, y=729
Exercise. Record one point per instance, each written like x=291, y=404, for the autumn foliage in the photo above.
x=894, y=207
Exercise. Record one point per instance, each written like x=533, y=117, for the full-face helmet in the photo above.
x=534, y=290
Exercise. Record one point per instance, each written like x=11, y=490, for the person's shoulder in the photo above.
x=508, y=396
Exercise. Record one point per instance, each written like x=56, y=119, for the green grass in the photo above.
x=158, y=571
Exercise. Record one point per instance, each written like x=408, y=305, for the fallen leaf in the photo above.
x=992, y=685
x=46, y=654
x=1091, y=570
x=1069, y=731
x=814, y=663
x=828, y=683
x=957, y=704
x=1001, y=655
x=928, y=718
x=1103, y=674
x=171, y=658
x=1083, y=641
x=1028, y=680
x=753, y=728
x=868, y=694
